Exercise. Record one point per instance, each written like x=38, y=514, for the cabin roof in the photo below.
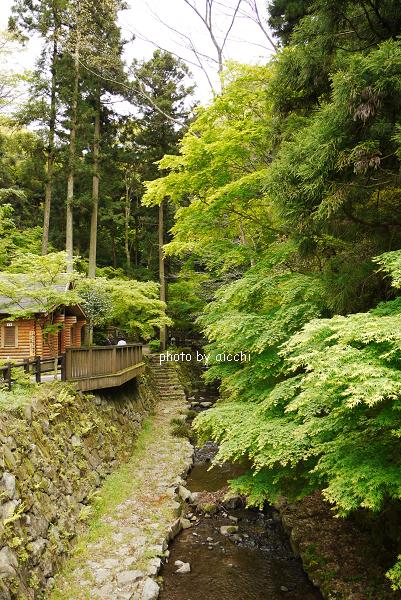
x=8, y=305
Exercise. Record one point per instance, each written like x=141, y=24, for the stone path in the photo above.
x=123, y=562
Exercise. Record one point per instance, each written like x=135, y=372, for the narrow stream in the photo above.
x=254, y=563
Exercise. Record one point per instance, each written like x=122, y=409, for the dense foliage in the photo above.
x=289, y=198
x=32, y=283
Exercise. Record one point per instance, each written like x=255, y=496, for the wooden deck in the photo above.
x=101, y=367
x=87, y=368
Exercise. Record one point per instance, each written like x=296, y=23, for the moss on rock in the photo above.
x=57, y=450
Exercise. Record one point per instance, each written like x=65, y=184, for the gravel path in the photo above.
x=119, y=558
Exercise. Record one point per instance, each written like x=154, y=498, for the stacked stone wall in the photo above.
x=54, y=454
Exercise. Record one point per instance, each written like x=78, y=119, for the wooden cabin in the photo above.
x=44, y=334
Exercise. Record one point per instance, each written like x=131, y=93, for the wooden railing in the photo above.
x=36, y=367
x=82, y=363
x=97, y=364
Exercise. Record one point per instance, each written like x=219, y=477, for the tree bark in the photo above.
x=50, y=150
x=95, y=191
x=88, y=334
x=127, y=216
x=113, y=250
x=137, y=233
x=162, y=278
x=71, y=159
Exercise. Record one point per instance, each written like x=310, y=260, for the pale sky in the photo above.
x=246, y=42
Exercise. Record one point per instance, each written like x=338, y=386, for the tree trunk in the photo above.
x=127, y=214
x=137, y=233
x=71, y=159
x=113, y=250
x=50, y=150
x=88, y=334
x=162, y=278
x=95, y=191
x=244, y=241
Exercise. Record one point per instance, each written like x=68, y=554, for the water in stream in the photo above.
x=257, y=563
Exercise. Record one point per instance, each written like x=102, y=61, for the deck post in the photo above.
x=68, y=364
x=37, y=369
x=26, y=365
x=63, y=367
x=90, y=363
x=8, y=376
x=114, y=360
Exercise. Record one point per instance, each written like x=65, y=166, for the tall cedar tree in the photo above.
x=160, y=92
x=47, y=19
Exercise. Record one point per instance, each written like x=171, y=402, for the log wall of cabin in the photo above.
x=25, y=340
x=32, y=340
x=49, y=345
x=77, y=333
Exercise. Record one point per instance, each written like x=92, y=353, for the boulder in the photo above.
x=9, y=457
x=101, y=575
x=38, y=526
x=208, y=508
x=150, y=590
x=228, y=529
x=176, y=508
x=36, y=549
x=174, y=529
x=8, y=562
x=75, y=441
x=185, y=494
x=126, y=577
x=233, y=501
x=183, y=568
x=154, y=565
x=7, y=485
x=7, y=510
x=195, y=497
x=185, y=523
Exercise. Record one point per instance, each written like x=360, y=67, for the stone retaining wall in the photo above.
x=54, y=454
x=339, y=558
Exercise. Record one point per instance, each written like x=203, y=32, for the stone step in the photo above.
x=166, y=388
x=166, y=380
